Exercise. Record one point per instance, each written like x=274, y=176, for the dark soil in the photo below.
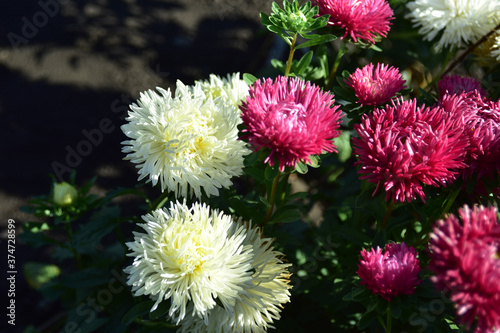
x=68, y=71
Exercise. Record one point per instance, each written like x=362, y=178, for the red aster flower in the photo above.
x=375, y=87
x=465, y=260
x=403, y=147
x=363, y=19
x=391, y=273
x=456, y=84
x=293, y=118
x=482, y=128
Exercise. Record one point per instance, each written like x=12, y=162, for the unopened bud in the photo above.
x=64, y=194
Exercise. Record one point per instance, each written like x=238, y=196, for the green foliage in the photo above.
x=293, y=20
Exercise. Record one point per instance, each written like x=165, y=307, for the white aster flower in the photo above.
x=460, y=21
x=192, y=256
x=262, y=301
x=231, y=88
x=188, y=142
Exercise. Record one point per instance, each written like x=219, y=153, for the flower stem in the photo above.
x=290, y=56
x=340, y=54
x=389, y=319
x=387, y=214
x=78, y=258
x=272, y=199
x=159, y=202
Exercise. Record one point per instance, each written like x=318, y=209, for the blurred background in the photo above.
x=68, y=71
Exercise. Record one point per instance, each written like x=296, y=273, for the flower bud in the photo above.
x=64, y=194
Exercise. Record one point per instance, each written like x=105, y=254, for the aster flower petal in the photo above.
x=186, y=143
x=362, y=19
x=459, y=22
x=231, y=88
x=464, y=258
x=390, y=273
x=456, y=84
x=375, y=86
x=192, y=256
x=292, y=118
x=402, y=147
x=261, y=304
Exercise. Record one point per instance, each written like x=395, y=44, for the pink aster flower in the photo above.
x=456, y=84
x=375, y=87
x=482, y=129
x=293, y=118
x=464, y=259
x=391, y=273
x=363, y=19
x=404, y=147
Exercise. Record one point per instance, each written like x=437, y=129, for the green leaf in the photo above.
x=160, y=311
x=315, y=161
x=124, y=191
x=316, y=41
x=303, y=63
x=249, y=78
x=138, y=310
x=354, y=294
x=291, y=214
x=367, y=319
x=101, y=224
x=301, y=168
x=395, y=309
x=271, y=172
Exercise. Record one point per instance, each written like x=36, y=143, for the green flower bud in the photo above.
x=64, y=194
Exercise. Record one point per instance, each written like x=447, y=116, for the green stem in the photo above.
x=272, y=199
x=389, y=319
x=159, y=202
x=78, y=258
x=451, y=199
x=340, y=54
x=290, y=56
x=388, y=213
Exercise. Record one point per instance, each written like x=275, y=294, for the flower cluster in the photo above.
x=188, y=142
x=390, y=273
x=217, y=272
x=364, y=20
x=464, y=258
x=292, y=118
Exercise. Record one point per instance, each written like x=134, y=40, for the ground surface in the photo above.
x=71, y=67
